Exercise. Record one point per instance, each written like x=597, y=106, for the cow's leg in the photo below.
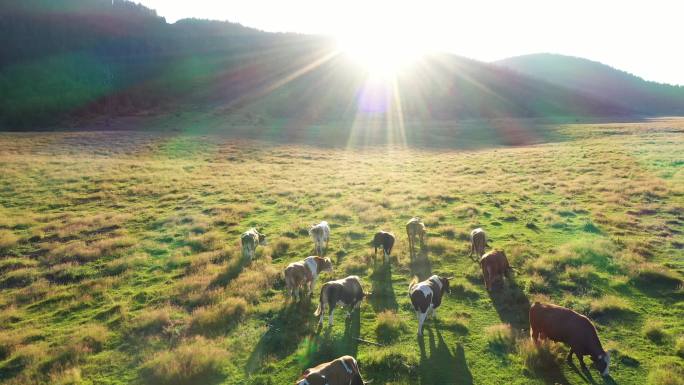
x=320, y=320
x=421, y=320
x=410, y=247
x=534, y=334
x=581, y=360
x=484, y=277
x=330, y=315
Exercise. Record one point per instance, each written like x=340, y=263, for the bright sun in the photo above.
x=383, y=55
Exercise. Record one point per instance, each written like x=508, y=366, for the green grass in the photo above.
x=120, y=259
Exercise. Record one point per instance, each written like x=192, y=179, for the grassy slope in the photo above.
x=136, y=232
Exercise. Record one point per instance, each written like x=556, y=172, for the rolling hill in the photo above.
x=74, y=60
x=601, y=81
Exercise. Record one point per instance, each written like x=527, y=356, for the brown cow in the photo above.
x=386, y=241
x=347, y=292
x=494, y=266
x=341, y=371
x=573, y=329
x=426, y=296
x=478, y=242
x=415, y=228
x=305, y=273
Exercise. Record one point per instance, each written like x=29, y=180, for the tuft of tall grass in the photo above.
x=280, y=247
x=501, y=337
x=394, y=361
x=610, y=306
x=8, y=239
x=654, y=331
x=439, y=246
x=669, y=373
x=679, y=346
x=252, y=282
x=151, y=321
x=218, y=318
x=388, y=327
x=19, y=278
x=539, y=357
x=193, y=362
x=655, y=275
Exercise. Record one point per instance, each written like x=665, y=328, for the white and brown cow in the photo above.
x=304, y=273
x=345, y=292
x=341, y=371
x=426, y=296
x=384, y=240
x=415, y=230
x=494, y=267
x=478, y=242
x=249, y=240
x=573, y=329
x=320, y=234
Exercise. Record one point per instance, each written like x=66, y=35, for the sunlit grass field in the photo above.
x=120, y=263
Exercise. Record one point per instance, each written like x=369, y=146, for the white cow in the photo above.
x=320, y=234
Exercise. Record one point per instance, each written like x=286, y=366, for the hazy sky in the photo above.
x=645, y=38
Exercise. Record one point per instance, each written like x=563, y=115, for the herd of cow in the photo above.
x=546, y=320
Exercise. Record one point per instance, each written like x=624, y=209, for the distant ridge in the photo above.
x=95, y=58
x=600, y=81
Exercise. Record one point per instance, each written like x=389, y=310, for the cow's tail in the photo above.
x=413, y=283
x=322, y=300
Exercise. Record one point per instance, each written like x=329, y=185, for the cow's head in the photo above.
x=262, y=238
x=324, y=264
x=445, y=284
x=314, y=378
x=602, y=362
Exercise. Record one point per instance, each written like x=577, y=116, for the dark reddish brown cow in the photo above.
x=384, y=240
x=571, y=328
x=494, y=267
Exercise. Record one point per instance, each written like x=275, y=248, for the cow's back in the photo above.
x=495, y=260
x=352, y=290
x=296, y=271
x=555, y=322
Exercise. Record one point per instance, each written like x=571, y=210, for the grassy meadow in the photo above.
x=120, y=262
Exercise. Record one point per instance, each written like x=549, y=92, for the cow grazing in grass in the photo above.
x=415, y=230
x=346, y=292
x=341, y=371
x=384, y=240
x=494, y=267
x=478, y=242
x=573, y=329
x=320, y=234
x=249, y=240
x=304, y=273
x=426, y=296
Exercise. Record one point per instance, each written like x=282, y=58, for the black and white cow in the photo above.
x=345, y=292
x=384, y=240
x=426, y=296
